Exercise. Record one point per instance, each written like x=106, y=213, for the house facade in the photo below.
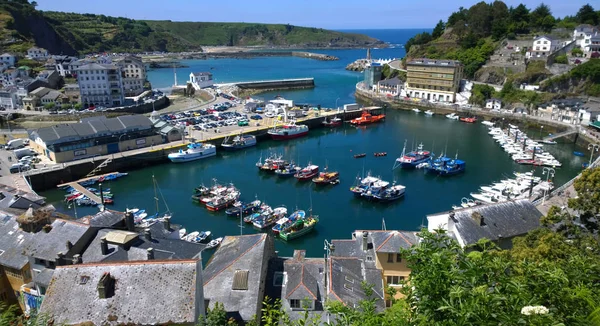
x=390, y=86
x=201, y=79
x=434, y=80
x=8, y=59
x=8, y=98
x=100, y=85
x=36, y=53
x=543, y=46
x=134, y=75
x=493, y=104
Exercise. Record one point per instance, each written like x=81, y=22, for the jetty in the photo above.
x=75, y=185
x=273, y=84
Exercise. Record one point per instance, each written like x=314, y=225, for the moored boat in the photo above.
x=286, y=222
x=307, y=173
x=367, y=118
x=429, y=113
x=412, y=159
x=335, y=122
x=390, y=194
x=288, y=170
x=239, y=142
x=214, y=243
x=361, y=155
x=266, y=220
x=288, y=131
x=222, y=202
x=468, y=119
x=299, y=228
x=243, y=208
x=327, y=178
x=194, y=151
x=362, y=185
x=452, y=116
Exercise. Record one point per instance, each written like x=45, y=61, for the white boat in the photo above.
x=194, y=151
x=214, y=243
x=487, y=123
x=288, y=131
x=416, y=110
x=239, y=142
x=191, y=237
x=487, y=198
x=429, y=113
x=182, y=233
x=203, y=236
x=133, y=210
x=452, y=116
x=548, y=142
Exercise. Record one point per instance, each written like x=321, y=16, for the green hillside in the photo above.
x=21, y=26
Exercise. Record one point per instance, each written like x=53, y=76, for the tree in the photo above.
x=588, y=194
x=438, y=30
x=587, y=15
x=34, y=4
x=562, y=59
x=49, y=106
x=577, y=52
x=216, y=316
x=480, y=19
x=540, y=17
x=77, y=106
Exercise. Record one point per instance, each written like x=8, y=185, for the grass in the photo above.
x=6, y=138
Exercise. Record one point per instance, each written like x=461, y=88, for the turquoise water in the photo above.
x=339, y=211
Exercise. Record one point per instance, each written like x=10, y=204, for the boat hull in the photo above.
x=277, y=136
x=229, y=147
x=294, y=235
x=190, y=157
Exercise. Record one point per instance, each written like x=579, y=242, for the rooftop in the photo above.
x=203, y=73
x=130, y=293
x=96, y=66
x=392, y=82
x=47, y=244
x=432, y=62
x=12, y=242
x=548, y=37
x=346, y=278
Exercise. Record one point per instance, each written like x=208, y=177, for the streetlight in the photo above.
x=592, y=148
x=549, y=172
x=336, y=107
x=541, y=129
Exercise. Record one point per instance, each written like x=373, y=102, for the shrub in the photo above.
x=561, y=59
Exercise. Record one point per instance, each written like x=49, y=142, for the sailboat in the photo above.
x=150, y=220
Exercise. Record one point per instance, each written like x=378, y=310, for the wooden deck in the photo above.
x=83, y=190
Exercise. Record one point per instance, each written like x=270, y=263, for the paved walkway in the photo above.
x=397, y=65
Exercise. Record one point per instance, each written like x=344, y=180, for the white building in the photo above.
x=8, y=98
x=493, y=104
x=543, y=46
x=201, y=79
x=134, y=75
x=100, y=85
x=9, y=76
x=583, y=30
x=8, y=59
x=37, y=53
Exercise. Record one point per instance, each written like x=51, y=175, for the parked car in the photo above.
x=256, y=117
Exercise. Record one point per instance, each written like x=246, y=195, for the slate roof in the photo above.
x=107, y=218
x=137, y=249
x=551, y=38
x=392, y=241
x=91, y=128
x=96, y=66
x=72, y=297
x=12, y=242
x=432, y=62
x=203, y=73
x=345, y=282
x=52, y=95
x=391, y=82
x=47, y=245
x=304, y=277
x=245, y=252
x=500, y=221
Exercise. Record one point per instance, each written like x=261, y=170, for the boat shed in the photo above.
x=125, y=293
x=499, y=222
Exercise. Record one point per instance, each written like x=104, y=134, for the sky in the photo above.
x=331, y=14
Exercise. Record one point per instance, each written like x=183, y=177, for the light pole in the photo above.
x=549, y=172
x=336, y=107
x=592, y=148
x=541, y=129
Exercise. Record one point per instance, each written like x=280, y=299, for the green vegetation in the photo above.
x=87, y=33
x=471, y=35
x=577, y=52
x=535, y=72
x=562, y=59
x=387, y=73
x=509, y=94
x=585, y=77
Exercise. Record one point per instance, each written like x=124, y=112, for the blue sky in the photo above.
x=333, y=14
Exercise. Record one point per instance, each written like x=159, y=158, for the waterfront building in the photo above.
x=8, y=59
x=565, y=110
x=55, y=97
x=390, y=86
x=500, y=222
x=134, y=75
x=63, y=64
x=493, y=104
x=372, y=75
x=434, y=80
x=37, y=53
x=93, y=137
x=236, y=275
x=201, y=79
x=155, y=292
x=100, y=85
x=33, y=98
x=169, y=132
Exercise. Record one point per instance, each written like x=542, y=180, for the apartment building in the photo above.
x=434, y=80
x=134, y=75
x=100, y=85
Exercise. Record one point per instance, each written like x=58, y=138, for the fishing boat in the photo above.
x=271, y=164
x=429, y=113
x=222, y=202
x=452, y=167
x=415, y=110
x=374, y=189
x=361, y=155
x=265, y=221
x=108, y=201
x=335, y=122
x=362, y=185
x=239, y=142
x=214, y=243
x=201, y=190
x=307, y=173
x=288, y=131
x=412, y=159
x=194, y=151
x=452, y=116
x=288, y=170
x=380, y=154
x=286, y=222
x=367, y=118
x=191, y=237
x=390, y=194
x=203, y=236
x=578, y=154
x=243, y=208
x=299, y=228
x=327, y=178
x=468, y=119
x=263, y=210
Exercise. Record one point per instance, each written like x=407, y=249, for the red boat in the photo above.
x=108, y=201
x=220, y=203
x=335, y=122
x=380, y=154
x=529, y=162
x=307, y=173
x=469, y=120
x=367, y=118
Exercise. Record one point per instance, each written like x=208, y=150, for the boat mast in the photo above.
x=155, y=194
x=383, y=227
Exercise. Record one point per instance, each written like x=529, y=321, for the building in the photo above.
x=169, y=132
x=594, y=44
x=302, y=284
x=493, y=104
x=235, y=275
x=53, y=97
x=565, y=110
x=14, y=267
x=372, y=75
x=543, y=46
x=583, y=30
x=93, y=137
x=72, y=92
x=434, y=80
x=134, y=75
x=8, y=98
x=157, y=292
x=390, y=86
x=8, y=59
x=63, y=64
x=499, y=222
x=9, y=76
x=201, y=79
x=34, y=98
x=100, y=85
x=37, y=53
x=53, y=79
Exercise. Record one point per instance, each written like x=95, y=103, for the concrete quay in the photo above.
x=48, y=178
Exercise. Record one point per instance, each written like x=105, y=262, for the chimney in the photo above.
x=150, y=252
x=478, y=218
x=104, y=246
x=453, y=217
x=147, y=235
x=77, y=259
x=129, y=221
x=167, y=223
x=106, y=286
x=101, y=197
x=365, y=241
x=69, y=245
x=60, y=259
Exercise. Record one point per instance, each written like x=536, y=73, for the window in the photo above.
x=369, y=258
x=388, y=303
x=390, y=258
x=394, y=280
x=295, y=304
x=278, y=279
x=398, y=258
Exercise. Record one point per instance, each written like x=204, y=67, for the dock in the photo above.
x=83, y=190
x=273, y=84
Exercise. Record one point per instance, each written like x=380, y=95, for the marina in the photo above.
x=339, y=211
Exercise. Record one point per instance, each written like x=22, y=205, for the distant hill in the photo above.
x=22, y=26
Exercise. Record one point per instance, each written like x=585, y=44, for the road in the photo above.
x=397, y=65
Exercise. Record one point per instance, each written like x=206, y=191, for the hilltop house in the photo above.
x=201, y=79
x=36, y=53
x=543, y=46
x=8, y=59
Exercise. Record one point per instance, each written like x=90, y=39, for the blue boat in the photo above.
x=288, y=170
x=246, y=208
x=578, y=154
x=413, y=158
x=433, y=164
x=450, y=168
x=286, y=222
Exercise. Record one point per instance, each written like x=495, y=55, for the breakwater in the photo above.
x=257, y=54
